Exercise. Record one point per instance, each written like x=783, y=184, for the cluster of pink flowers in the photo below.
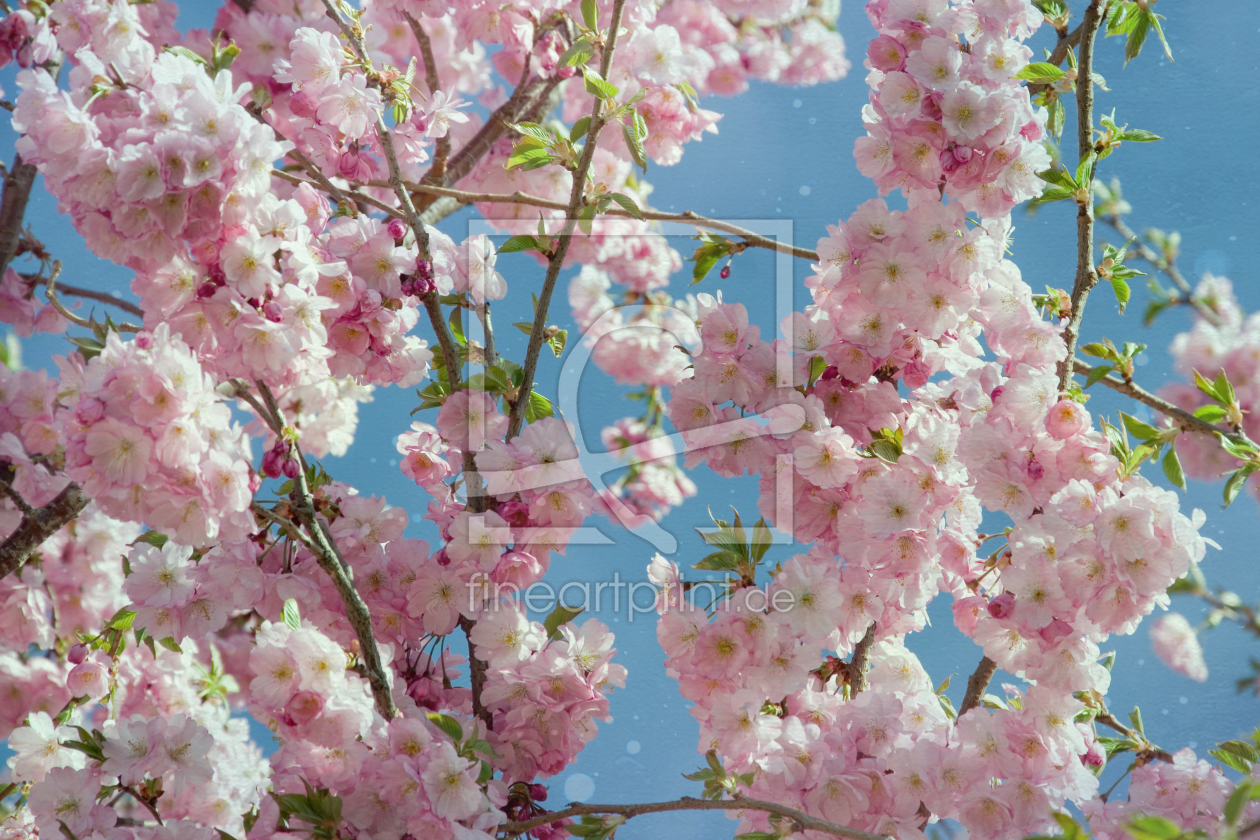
x=652, y=483
x=148, y=438
x=1177, y=645
x=946, y=110
x=1189, y=792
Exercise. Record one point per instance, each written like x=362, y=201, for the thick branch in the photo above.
x=977, y=684
x=861, y=665
x=477, y=673
x=1086, y=276
x=38, y=526
x=17, y=192
x=802, y=819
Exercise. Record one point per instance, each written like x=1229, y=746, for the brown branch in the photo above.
x=355, y=194
x=977, y=684
x=686, y=217
x=556, y=260
x=1184, y=419
x=466, y=157
x=319, y=541
x=1086, y=276
x=17, y=193
x=1066, y=42
x=477, y=673
x=437, y=172
x=51, y=292
x=38, y=525
x=1169, y=268
x=90, y=294
x=861, y=665
x=802, y=820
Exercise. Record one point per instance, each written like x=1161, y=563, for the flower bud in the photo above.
x=77, y=654
x=1002, y=606
x=397, y=229
x=304, y=707
x=1066, y=419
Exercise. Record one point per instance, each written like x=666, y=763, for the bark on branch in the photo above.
x=802, y=819
x=38, y=525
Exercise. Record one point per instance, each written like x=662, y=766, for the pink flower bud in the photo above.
x=291, y=468
x=397, y=228
x=88, y=677
x=273, y=311
x=77, y=654
x=1002, y=606
x=304, y=707
x=538, y=793
x=144, y=340
x=89, y=411
x=1066, y=419
x=302, y=104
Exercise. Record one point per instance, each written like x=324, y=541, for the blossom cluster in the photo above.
x=946, y=109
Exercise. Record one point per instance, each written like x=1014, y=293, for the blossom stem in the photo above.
x=687, y=803
x=1086, y=276
x=576, y=201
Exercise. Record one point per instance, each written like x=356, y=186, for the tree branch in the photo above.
x=329, y=558
x=90, y=294
x=687, y=217
x=977, y=684
x=437, y=172
x=17, y=193
x=1086, y=276
x=804, y=821
x=38, y=525
x=1183, y=418
x=355, y=194
x=51, y=292
x=1169, y=268
x=860, y=665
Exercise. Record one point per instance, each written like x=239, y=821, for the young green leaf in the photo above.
x=1172, y=469
x=560, y=615
x=290, y=614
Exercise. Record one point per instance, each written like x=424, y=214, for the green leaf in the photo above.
x=520, y=243
x=1058, y=177
x=1050, y=196
x=456, y=320
x=1140, y=430
x=579, y=129
x=1122, y=291
x=706, y=256
x=1096, y=373
x=762, y=539
x=538, y=408
x=720, y=561
x=586, y=218
x=578, y=54
x=529, y=158
x=1153, y=828
x=1135, y=717
x=1138, y=28
x=557, y=342
x=122, y=620
x=1236, y=801
x=1137, y=135
x=635, y=145
x=627, y=204
x=560, y=615
x=590, y=14
x=447, y=724
x=1231, y=760
x=597, y=85
x=170, y=644
x=532, y=133
x=152, y=538
x=1236, y=482
x=1172, y=469
x=1041, y=72
x=1055, y=118
x=1212, y=412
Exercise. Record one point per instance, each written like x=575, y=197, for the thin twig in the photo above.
x=51, y=291
x=1169, y=268
x=89, y=294
x=355, y=194
x=1086, y=275
x=687, y=217
x=329, y=558
x=576, y=201
x=1066, y=42
x=146, y=803
x=437, y=172
x=800, y=818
